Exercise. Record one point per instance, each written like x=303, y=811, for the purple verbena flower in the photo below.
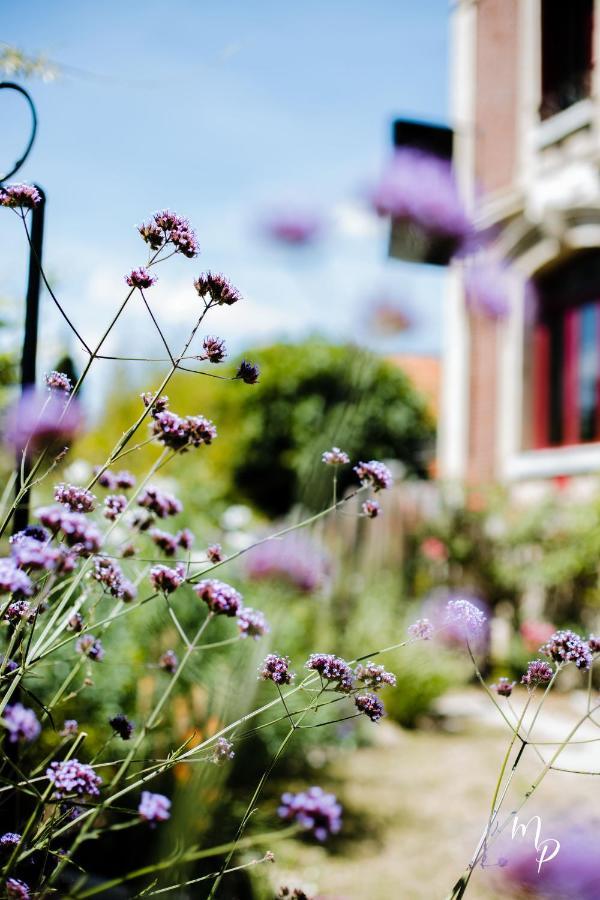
x=335, y=457
x=466, y=616
x=370, y=705
x=214, y=553
x=75, y=622
x=114, y=505
x=332, y=669
x=72, y=777
x=168, y=661
x=293, y=227
x=70, y=728
x=90, y=646
x=504, y=687
x=318, y=812
x=594, y=643
x=19, y=609
x=222, y=751
x=164, y=541
x=277, y=669
x=58, y=381
x=252, y=623
x=13, y=580
x=374, y=473
x=41, y=421
x=166, y=579
x=565, y=646
x=185, y=539
x=221, y=598
x=200, y=430
x=154, y=807
x=155, y=404
x=121, y=725
x=214, y=349
x=421, y=630
x=160, y=502
x=17, y=889
x=140, y=278
x=19, y=196
x=124, y=480
x=9, y=839
x=78, y=530
x=419, y=188
x=371, y=509
x=217, y=288
x=538, y=672
x=30, y=553
x=76, y=499
x=21, y=723
x=248, y=372
x=373, y=676
x=295, y=558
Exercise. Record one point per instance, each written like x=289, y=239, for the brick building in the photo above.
x=521, y=395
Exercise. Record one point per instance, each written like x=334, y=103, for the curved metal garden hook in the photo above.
x=10, y=85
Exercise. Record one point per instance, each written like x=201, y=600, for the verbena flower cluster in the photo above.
x=316, y=811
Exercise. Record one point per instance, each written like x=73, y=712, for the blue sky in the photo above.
x=222, y=111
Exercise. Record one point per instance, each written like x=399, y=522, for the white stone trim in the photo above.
x=579, y=459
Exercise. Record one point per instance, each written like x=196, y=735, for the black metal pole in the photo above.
x=30, y=338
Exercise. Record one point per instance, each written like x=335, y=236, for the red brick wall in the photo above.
x=496, y=88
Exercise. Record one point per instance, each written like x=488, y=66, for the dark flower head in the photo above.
x=374, y=677
x=248, y=372
x=58, y=381
x=318, y=812
x=72, y=777
x=185, y=539
x=185, y=242
x=164, y=541
x=217, y=288
x=221, y=598
x=140, y=278
x=91, y=647
x=114, y=505
x=121, y=725
x=374, y=473
x=566, y=646
x=277, y=669
x=41, y=421
x=160, y=502
x=200, y=430
x=13, y=580
x=75, y=622
x=222, y=751
x=154, y=807
x=371, y=509
x=335, y=457
x=168, y=661
x=124, y=480
x=19, y=610
x=252, y=623
x=152, y=235
x=538, y=672
x=370, y=705
x=19, y=196
x=17, y=889
x=214, y=349
x=288, y=893
x=332, y=669
x=214, y=553
x=21, y=723
x=504, y=687
x=77, y=499
x=594, y=643
x=166, y=579
x=155, y=404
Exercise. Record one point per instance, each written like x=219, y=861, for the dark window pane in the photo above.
x=588, y=371
x=556, y=329
x=567, y=28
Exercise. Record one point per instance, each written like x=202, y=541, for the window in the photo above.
x=566, y=354
x=567, y=56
